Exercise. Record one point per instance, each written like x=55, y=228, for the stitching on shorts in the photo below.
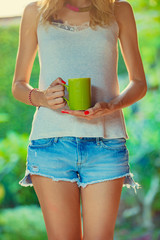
x=106, y=144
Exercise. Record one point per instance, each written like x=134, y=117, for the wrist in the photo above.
x=36, y=97
x=114, y=105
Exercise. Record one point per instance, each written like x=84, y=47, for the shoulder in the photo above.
x=123, y=12
x=31, y=8
x=121, y=5
x=30, y=14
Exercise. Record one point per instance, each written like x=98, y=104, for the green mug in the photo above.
x=79, y=92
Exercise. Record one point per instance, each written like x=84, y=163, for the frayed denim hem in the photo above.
x=26, y=181
x=128, y=182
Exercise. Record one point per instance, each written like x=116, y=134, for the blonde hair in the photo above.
x=101, y=11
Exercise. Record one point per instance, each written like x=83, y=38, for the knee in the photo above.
x=109, y=235
x=99, y=238
x=64, y=236
x=51, y=237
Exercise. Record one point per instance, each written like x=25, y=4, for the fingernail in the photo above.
x=63, y=82
x=86, y=112
x=64, y=112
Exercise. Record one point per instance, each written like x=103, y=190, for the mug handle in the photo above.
x=64, y=97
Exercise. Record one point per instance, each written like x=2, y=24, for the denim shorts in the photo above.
x=84, y=160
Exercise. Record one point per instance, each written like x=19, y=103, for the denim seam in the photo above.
x=103, y=145
x=40, y=145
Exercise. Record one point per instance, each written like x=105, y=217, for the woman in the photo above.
x=73, y=153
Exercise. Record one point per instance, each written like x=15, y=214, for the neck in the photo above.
x=79, y=3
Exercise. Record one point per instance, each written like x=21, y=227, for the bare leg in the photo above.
x=100, y=204
x=60, y=204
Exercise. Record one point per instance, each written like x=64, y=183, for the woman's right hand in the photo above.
x=53, y=95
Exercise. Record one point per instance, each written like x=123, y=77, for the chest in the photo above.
x=73, y=18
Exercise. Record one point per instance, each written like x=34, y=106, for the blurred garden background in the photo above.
x=139, y=215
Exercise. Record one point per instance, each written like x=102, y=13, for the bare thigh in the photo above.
x=100, y=204
x=60, y=204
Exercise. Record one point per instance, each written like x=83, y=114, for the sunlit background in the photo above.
x=139, y=215
x=10, y=8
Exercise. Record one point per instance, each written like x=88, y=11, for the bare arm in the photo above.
x=25, y=57
x=28, y=44
x=137, y=87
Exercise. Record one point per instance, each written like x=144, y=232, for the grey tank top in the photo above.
x=73, y=52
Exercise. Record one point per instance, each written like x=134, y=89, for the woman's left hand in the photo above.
x=100, y=109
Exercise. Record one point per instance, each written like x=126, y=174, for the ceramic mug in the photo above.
x=79, y=92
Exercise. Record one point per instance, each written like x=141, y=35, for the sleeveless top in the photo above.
x=70, y=51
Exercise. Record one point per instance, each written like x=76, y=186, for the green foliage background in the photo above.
x=143, y=127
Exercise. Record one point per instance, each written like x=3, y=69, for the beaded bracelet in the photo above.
x=30, y=96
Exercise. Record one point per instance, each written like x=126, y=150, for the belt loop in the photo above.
x=55, y=139
x=97, y=140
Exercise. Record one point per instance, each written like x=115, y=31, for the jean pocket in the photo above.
x=113, y=144
x=41, y=143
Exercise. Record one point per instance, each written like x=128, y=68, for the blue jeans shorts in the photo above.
x=84, y=160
